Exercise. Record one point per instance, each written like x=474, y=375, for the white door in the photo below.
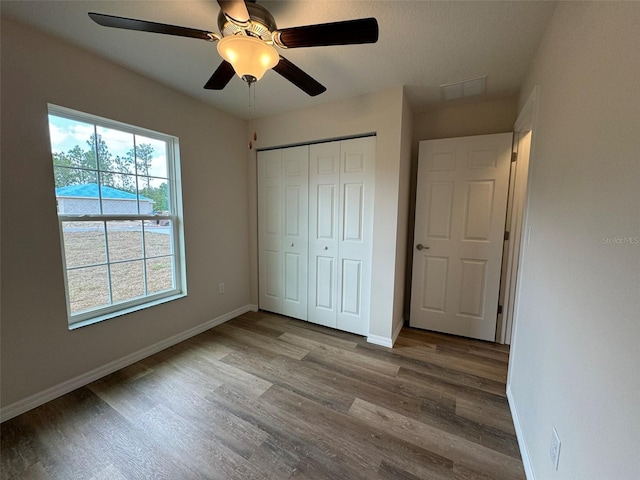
x=283, y=230
x=324, y=199
x=295, y=247
x=270, y=230
x=341, y=182
x=355, y=230
x=459, y=230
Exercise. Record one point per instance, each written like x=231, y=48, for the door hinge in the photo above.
x=499, y=309
x=514, y=156
x=506, y=236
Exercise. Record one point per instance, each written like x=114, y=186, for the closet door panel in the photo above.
x=357, y=164
x=351, y=281
x=324, y=184
x=295, y=238
x=270, y=255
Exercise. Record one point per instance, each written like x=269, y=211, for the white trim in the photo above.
x=528, y=115
x=71, y=217
x=527, y=121
x=37, y=399
x=378, y=340
x=524, y=451
x=386, y=341
x=396, y=332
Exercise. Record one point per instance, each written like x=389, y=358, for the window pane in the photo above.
x=115, y=150
x=88, y=288
x=158, y=238
x=125, y=240
x=118, y=194
x=65, y=176
x=154, y=195
x=76, y=191
x=151, y=157
x=160, y=274
x=84, y=243
x=102, y=174
x=71, y=142
x=127, y=280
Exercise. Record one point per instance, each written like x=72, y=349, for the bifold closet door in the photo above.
x=355, y=233
x=283, y=230
x=324, y=199
x=341, y=179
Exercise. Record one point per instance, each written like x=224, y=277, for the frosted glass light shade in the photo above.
x=250, y=57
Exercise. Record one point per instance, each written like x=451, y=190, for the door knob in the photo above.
x=291, y=244
x=326, y=248
x=422, y=247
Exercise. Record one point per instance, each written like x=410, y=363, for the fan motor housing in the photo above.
x=262, y=23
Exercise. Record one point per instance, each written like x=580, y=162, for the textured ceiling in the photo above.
x=422, y=45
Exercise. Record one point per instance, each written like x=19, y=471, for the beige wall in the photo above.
x=379, y=113
x=402, y=235
x=576, y=346
x=468, y=117
x=38, y=350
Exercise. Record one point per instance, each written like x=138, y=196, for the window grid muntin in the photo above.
x=173, y=199
x=93, y=170
x=116, y=262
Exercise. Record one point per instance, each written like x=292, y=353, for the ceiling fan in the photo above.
x=247, y=37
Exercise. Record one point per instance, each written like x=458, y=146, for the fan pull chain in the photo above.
x=252, y=109
x=255, y=134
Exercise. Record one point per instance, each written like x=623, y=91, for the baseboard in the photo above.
x=37, y=399
x=378, y=340
x=386, y=341
x=524, y=452
x=396, y=332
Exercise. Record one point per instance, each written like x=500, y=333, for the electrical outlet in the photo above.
x=221, y=288
x=554, y=450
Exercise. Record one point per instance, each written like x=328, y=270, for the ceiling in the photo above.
x=422, y=45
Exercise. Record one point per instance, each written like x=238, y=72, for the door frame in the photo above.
x=443, y=319
x=524, y=127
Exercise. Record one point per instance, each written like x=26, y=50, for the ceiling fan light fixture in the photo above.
x=250, y=57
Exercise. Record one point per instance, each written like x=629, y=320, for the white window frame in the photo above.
x=99, y=314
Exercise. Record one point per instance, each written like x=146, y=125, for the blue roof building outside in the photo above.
x=90, y=190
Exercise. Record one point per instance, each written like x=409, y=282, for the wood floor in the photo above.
x=265, y=396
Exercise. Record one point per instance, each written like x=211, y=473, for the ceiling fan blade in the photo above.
x=299, y=78
x=220, y=77
x=236, y=11
x=349, y=32
x=153, y=27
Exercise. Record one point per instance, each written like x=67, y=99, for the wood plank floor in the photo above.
x=265, y=396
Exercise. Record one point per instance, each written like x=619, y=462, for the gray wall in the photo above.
x=576, y=346
x=38, y=350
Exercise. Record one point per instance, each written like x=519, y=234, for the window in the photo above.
x=119, y=209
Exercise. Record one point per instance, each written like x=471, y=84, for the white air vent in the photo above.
x=465, y=88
